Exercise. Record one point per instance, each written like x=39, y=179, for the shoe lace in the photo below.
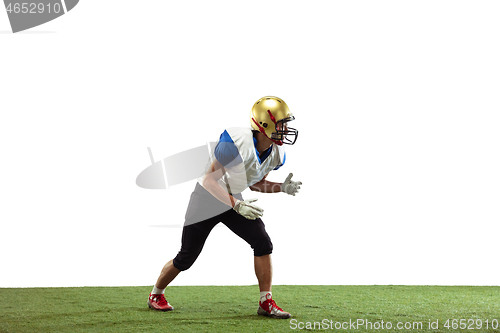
x=273, y=305
x=161, y=300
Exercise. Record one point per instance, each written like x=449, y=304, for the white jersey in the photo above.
x=236, y=151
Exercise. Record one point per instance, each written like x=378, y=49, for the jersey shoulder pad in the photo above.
x=226, y=151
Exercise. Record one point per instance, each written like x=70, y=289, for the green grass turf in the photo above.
x=233, y=308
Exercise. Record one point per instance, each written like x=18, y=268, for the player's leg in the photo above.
x=167, y=275
x=193, y=240
x=264, y=272
x=255, y=234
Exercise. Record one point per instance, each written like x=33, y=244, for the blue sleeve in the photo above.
x=226, y=151
x=280, y=165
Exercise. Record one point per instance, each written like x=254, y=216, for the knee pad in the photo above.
x=184, y=260
x=263, y=247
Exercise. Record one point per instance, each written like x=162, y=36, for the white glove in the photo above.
x=289, y=186
x=247, y=209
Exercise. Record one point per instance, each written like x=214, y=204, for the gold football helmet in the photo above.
x=270, y=116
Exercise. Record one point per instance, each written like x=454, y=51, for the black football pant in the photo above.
x=203, y=214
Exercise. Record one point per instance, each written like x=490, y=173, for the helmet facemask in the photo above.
x=285, y=134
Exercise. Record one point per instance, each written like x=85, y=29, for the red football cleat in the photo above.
x=158, y=302
x=270, y=309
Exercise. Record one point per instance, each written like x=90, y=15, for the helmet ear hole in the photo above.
x=264, y=125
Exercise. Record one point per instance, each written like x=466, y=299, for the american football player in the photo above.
x=242, y=158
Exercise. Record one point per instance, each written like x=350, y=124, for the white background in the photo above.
x=397, y=104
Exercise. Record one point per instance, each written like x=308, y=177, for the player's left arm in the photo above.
x=288, y=186
x=265, y=186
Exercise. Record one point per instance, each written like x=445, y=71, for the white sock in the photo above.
x=263, y=295
x=157, y=291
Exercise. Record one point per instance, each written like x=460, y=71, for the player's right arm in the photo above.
x=246, y=208
x=211, y=184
